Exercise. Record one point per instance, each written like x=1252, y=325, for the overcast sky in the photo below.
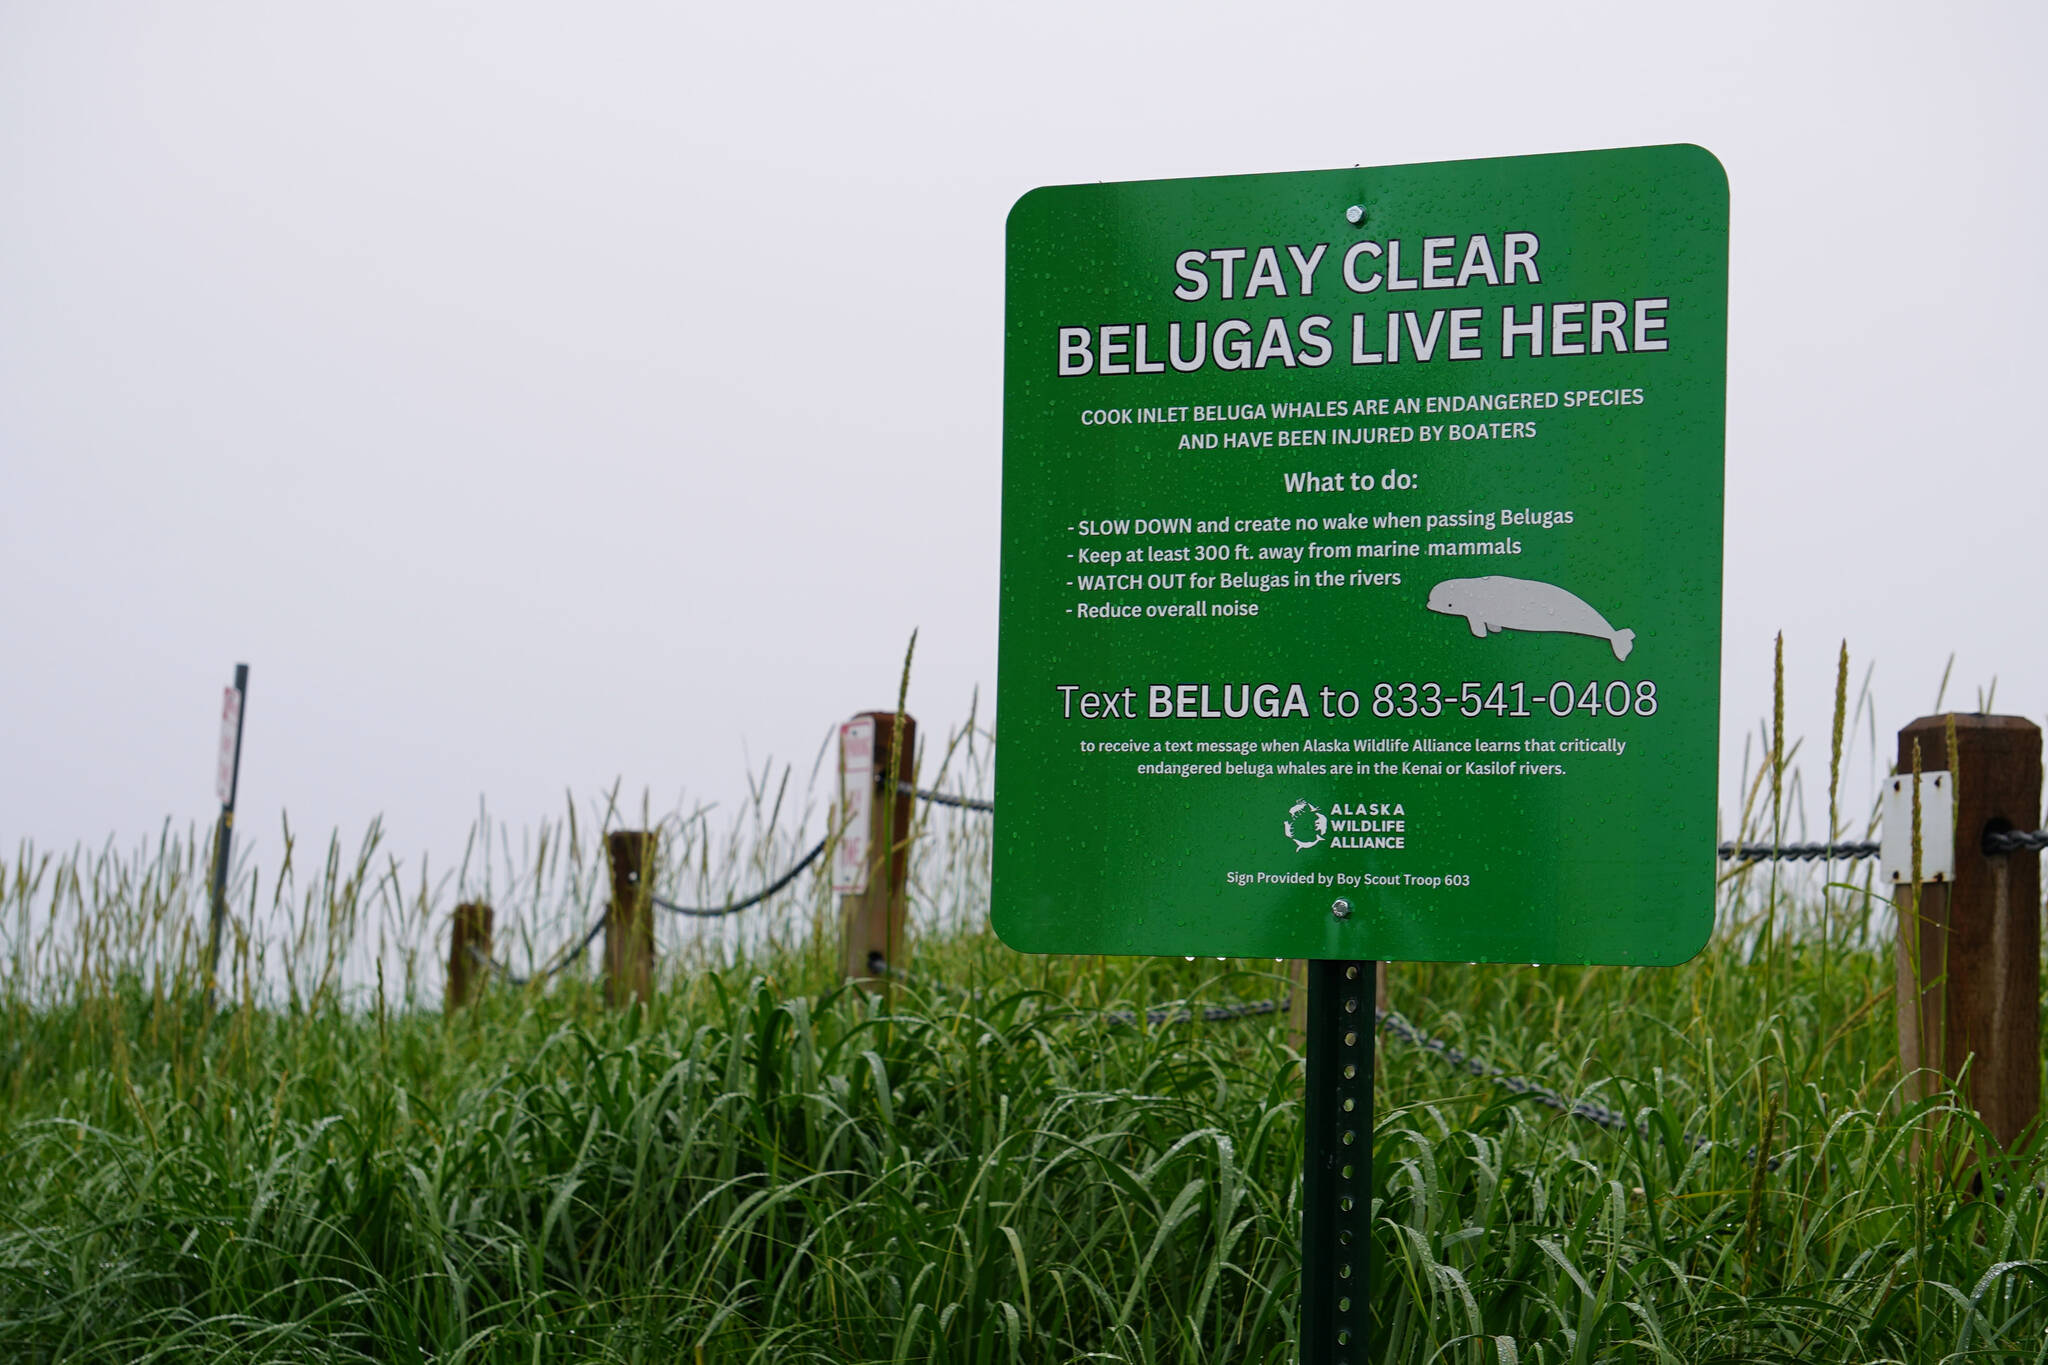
x=539, y=397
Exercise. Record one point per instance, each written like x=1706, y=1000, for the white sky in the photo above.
x=543, y=396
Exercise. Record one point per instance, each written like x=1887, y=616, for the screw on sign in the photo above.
x=1424, y=465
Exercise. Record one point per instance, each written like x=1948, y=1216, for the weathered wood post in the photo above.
x=872, y=866
x=469, y=949
x=629, y=924
x=1969, y=960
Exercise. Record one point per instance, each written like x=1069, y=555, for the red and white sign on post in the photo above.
x=856, y=805
x=230, y=744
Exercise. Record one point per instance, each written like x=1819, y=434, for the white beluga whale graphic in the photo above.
x=1496, y=603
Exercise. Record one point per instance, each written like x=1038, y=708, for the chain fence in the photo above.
x=1759, y=853
x=937, y=798
x=734, y=907
x=1995, y=842
x=561, y=963
x=1395, y=1026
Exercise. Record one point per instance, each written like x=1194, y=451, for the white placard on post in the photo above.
x=856, y=804
x=1937, y=829
x=230, y=740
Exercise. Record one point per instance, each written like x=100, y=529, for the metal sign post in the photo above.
x=1336, y=1166
x=227, y=777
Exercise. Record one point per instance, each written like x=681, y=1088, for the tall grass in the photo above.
x=978, y=1166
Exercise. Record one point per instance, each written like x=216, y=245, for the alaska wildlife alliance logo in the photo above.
x=1305, y=825
x=1381, y=824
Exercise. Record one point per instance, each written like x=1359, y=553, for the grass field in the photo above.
x=765, y=1166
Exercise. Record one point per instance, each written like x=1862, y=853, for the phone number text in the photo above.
x=1512, y=699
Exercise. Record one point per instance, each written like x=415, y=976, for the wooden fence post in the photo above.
x=1975, y=988
x=469, y=949
x=874, y=920
x=629, y=924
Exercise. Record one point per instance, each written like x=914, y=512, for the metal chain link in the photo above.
x=942, y=799
x=1210, y=1014
x=1995, y=842
x=1393, y=1024
x=1610, y=1119
x=718, y=911
x=700, y=912
x=1758, y=853
x=479, y=956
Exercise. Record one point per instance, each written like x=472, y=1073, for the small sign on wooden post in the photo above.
x=1969, y=944
x=856, y=806
x=871, y=868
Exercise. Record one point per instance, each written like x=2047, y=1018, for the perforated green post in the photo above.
x=1336, y=1168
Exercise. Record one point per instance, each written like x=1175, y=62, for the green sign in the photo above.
x=1361, y=563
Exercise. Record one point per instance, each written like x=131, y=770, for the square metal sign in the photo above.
x=1361, y=562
